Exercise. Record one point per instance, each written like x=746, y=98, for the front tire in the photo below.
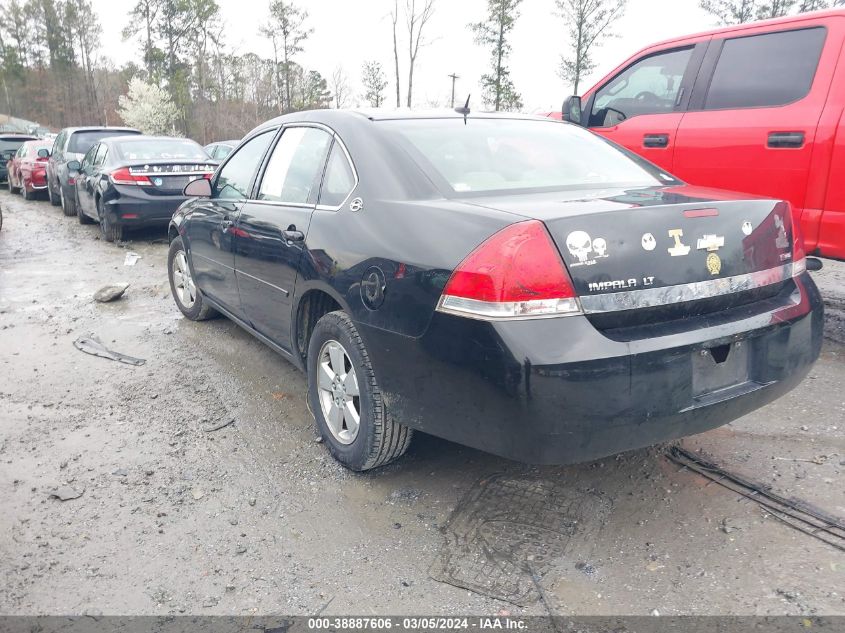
x=68, y=205
x=53, y=199
x=27, y=194
x=346, y=400
x=187, y=296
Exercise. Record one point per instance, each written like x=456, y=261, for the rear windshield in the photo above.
x=160, y=149
x=7, y=144
x=486, y=155
x=81, y=142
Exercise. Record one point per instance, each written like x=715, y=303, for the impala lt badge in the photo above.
x=711, y=243
x=679, y=249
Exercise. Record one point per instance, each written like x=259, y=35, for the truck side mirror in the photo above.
x=73, y=165
x=572, y=109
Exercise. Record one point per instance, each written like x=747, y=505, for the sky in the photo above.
x=349, y=32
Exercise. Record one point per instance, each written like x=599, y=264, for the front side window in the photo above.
x=100, y=157
x=293, y=172
x=60, y=140
x=765, y=70
x=222, y=151
x=339, y=180
x=235, y=178
x=487, y=155
x=650, y=86
x=88, y=159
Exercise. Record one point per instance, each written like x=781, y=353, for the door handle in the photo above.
x=292, y=235
x=778, y=140
x=656, y=140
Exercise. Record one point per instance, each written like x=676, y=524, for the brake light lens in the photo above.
x=799, y=255
x=124, y=176
x=516, y=273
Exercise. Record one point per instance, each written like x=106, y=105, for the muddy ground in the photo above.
x=255, y=518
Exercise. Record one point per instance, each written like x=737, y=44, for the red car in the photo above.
x=758, y=107
x=27, y=170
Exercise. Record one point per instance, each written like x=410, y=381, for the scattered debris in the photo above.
x=219, y=425
x=732, y=525
x=131, y=258
x=92, y=345
x=197, y=494
x=66, y=493
x=111, y=292
x=820, y=459
x=279, y=395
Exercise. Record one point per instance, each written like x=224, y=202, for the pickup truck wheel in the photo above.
x=12, y=188
x=68, y=206
x=27, y=195
x=187, y=296
x=346, y=400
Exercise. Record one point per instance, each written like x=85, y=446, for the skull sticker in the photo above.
x=648, y=242
x=600, y=247
x=580, y=244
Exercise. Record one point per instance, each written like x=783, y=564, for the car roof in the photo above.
x=18, y=137
x=792, y=19
x=145, y=137
x=97, y=128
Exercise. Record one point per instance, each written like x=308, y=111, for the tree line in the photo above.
x=190, y=82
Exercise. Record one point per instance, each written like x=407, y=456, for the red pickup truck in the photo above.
x=758, y=108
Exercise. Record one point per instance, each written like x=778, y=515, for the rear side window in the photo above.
x=339, y=179
x=235, y=178
x=222, y=151
x=765, y=70
x=294, y=169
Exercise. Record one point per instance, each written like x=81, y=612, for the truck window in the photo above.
x=649, y=86
x=765, y=70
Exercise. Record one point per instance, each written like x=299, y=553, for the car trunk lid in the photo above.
x=166, y=178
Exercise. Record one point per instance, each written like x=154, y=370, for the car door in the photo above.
x=53, y=161
x=84, y=191
x=273, y=226
x=209, y=224
x=752, y=119
x=642, y=106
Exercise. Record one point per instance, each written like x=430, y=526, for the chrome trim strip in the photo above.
x=240, y=272
x=212, y=261
x=655, y=297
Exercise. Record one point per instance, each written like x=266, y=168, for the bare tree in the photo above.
x=588, y=22
x=394, y=16
x=340, y=87
x=372, y=76
x=287, y=31
x=415, y=21
x=774, y=9
x=498, y=88
x=731, y=11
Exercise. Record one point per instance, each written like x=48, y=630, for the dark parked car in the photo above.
x=72, y=143
x=135, y=181
x=515, y=284
x=220, y=150
x=27, y=171
x=9, y=144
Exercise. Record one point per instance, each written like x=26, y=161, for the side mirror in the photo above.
x=43, y=153
x=572, y=109
x=199, y=188
x=73, y=165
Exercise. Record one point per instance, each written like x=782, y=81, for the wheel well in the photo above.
x=172, y=233
x=313, y=306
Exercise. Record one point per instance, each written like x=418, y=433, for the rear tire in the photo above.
x=27, y=195
x=12, y=189
x=185, y=292
x=111, y=232
x=68, y=206
x=338, y=368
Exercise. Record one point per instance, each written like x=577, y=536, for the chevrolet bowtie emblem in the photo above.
x=711, y=243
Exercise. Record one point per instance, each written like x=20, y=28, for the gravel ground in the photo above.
x=255, y=517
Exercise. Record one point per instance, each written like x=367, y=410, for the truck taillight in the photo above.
x=124, y=176
x=516, y=273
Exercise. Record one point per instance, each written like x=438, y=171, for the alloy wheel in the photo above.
x=337, y=386
x=186, y=290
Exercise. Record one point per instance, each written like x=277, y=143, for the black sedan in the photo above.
x=515, y=284
x=134, y=181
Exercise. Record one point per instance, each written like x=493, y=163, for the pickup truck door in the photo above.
x=754, y=112
x=642, y=105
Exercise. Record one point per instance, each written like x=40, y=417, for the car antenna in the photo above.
x=464, y=109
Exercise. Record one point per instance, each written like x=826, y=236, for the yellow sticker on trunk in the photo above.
x=714, y=264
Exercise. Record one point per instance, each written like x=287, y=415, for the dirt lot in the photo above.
x=256, y=518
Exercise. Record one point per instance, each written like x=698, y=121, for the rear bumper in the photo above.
x=554, y=391
x=135, y=208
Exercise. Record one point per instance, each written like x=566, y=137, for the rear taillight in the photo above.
x=799, y=255
x=516, y=273
x=124, y=176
